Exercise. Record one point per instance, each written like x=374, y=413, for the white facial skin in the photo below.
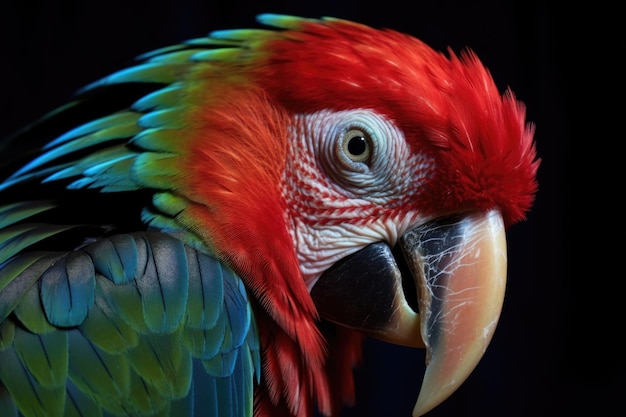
x=350, y=179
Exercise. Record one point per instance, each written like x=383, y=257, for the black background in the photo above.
x=557, y=349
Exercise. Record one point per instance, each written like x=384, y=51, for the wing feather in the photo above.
x=160, y=314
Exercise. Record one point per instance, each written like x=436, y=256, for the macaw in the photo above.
x=214, y=230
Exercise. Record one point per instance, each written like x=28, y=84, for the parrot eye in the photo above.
x=357, y=145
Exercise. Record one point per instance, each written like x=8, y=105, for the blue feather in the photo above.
x=67, y=289
x=115, y=258
x=162, y=281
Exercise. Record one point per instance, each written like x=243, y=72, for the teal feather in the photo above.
x=164, y=283
x=235, y=301
x=210, y=42
x=174, y=57
x=206, y=291
x=116, y=126
x=40, y=174
x=12, y=213
x=221, y=54
x=204, y=42
x=169, y=118
x=163, y=223
x=111, y=175
x=67, y=289
x=253, y=347
x=282, y=21
x=147, y=56
x=243, y=34
x=117, y=154
x=123, y=118
x=115, y=258
x=161, y=99
x=7, y=405
x=20, y=236
x=117, y=131
x=83, y=182
x=250, y=365
x=223, y=364
x=143, y=73
x=229, y=392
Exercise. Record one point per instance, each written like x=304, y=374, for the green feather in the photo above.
x=95, y=372
x=7, y=332
x=162, y=363
x=105, y=329
x=30, y=312
x=125, y=301
x=202, y=343
x=169, y=203
x=31, y=398
x=44, y=355
x=19, y=276
x=78, y=404
x=158, y=140
x=155, y=170
x=146, y=399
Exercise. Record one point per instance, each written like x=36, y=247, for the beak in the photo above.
x=457, y=267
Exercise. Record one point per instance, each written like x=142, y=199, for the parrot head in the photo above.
x=368, y=141
x=358, y=181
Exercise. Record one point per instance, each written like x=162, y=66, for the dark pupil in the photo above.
x=357, y=145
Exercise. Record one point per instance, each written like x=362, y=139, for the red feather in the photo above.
x=448, y=108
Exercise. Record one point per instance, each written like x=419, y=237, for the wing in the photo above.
x=99, y=314
x=133, y=324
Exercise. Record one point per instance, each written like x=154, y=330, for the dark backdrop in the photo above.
x=556, y=349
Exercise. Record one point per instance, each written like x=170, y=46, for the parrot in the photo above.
x=216, y=228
